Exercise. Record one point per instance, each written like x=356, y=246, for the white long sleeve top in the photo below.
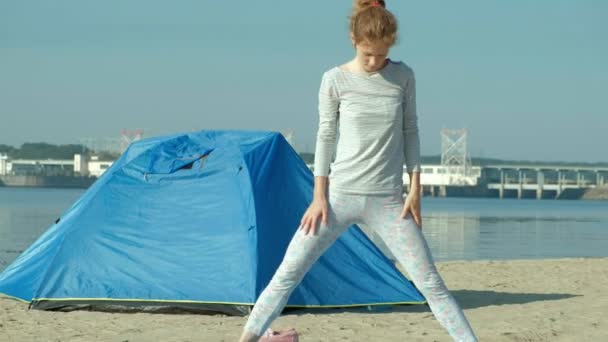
x=370, y=122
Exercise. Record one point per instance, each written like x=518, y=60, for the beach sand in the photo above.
x=519, y=300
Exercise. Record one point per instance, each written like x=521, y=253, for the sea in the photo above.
x=455, y=228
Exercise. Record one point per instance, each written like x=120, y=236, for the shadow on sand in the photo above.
x=468, y=299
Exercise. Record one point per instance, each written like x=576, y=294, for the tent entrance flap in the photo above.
x=200, y=160
x=180, y=166
x=177, y=163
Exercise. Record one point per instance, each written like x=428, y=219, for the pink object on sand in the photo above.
x=289, y=335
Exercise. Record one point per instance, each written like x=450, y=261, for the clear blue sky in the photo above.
x=527, y=78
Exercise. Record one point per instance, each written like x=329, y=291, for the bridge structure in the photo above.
x=544, y=181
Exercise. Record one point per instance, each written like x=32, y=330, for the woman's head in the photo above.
x=372, y=23
x=373, y=30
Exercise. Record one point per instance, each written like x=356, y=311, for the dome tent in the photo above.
x=197, y=221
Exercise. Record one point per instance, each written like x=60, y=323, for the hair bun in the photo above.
x=361, y=5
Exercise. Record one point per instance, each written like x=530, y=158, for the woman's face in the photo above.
x=371, y=57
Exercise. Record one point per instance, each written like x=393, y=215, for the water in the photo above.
x=488, y=228
x=455, y=228
x=25, y=213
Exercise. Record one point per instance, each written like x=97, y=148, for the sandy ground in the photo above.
x=521, y=300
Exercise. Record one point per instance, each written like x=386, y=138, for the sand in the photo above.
x=519, y=300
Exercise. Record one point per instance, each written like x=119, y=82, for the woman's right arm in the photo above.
x=317, y=210
x=320, y=192
x=325, y=147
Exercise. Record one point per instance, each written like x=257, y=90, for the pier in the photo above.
x=543, y=181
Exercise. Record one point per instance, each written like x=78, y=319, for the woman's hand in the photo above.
x=317, y=210
x=412, y=207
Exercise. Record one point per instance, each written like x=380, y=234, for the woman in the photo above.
x=373, y=99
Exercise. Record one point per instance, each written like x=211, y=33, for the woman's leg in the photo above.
x=301, y=254
x=407, y=243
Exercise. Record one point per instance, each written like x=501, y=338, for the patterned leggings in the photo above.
x=402, y=237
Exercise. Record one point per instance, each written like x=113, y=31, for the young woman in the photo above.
x=373, y=99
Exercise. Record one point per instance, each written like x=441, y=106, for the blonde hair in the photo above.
x=372, y=22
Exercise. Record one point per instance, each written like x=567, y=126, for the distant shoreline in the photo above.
x=38, y=181
x=599, y=193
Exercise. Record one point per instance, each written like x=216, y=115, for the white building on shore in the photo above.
x=81, y=165
x=438, y=175
x=3, y=163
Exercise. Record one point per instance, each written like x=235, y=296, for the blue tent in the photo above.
x=196, y=221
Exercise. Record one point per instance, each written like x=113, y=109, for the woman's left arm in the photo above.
x=411, y=149
x=412, y=202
